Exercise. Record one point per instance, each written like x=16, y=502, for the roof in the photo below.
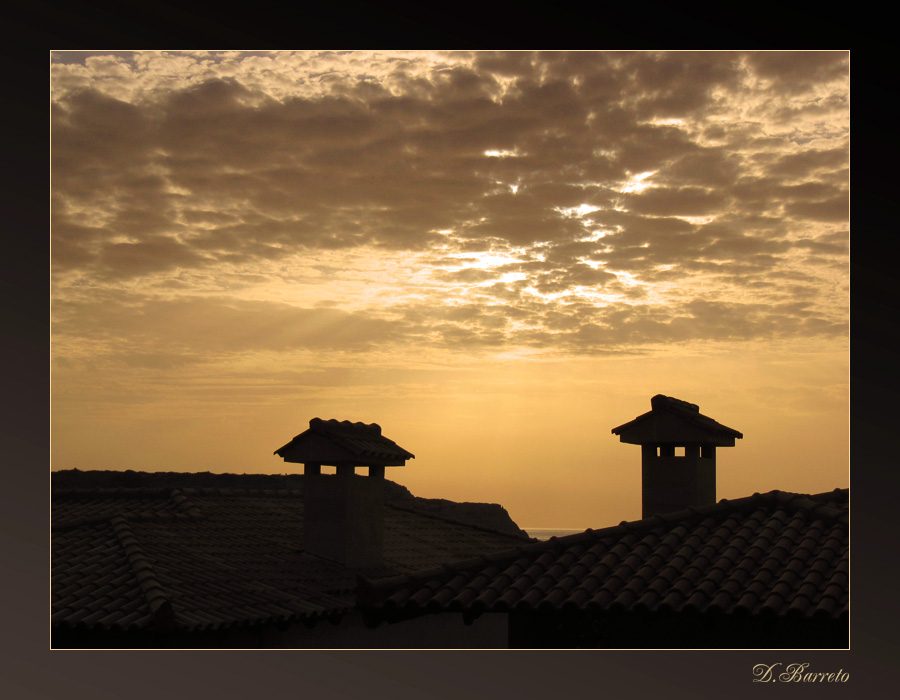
x=775, y=554
x=214, y=559
x=334, y=442
x=673, y=420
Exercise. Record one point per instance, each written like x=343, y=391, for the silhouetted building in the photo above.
x=767, y=571
x=213, y=567
x=328, y=568
x=673, y=481
x=342, y=517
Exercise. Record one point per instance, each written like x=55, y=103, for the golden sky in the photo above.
x=498, y=257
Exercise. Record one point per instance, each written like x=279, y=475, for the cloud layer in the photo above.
x=573, y=202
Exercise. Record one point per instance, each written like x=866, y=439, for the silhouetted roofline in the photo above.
x=452, y=587
x=688, y=412
x=358, y=442
x=148, y=537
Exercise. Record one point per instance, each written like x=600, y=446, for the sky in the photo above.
x=496, y=256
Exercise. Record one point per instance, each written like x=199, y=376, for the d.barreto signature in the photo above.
x=796, y=673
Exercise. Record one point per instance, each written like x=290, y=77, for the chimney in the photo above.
x=678, y=454
x=343, y=517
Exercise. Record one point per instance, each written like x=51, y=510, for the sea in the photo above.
x=545, y=533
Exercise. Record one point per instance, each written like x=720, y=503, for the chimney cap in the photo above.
x=345, y=426
x=673, y=421
x=661, y=403
x=344, y=443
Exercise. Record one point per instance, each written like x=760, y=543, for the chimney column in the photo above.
x=672, y=480
x=343, y=518
x=670, y=483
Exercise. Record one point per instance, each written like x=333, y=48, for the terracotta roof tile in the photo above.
x=770, y=554
x=211, y=559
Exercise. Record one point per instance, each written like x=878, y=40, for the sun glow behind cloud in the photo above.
x=636, y=183
x=577, y=212
x=502, y=153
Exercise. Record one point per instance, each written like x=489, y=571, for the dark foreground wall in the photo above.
x=442, y=631
x=533, y=630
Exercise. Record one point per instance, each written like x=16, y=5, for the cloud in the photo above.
x=836, y=209
x=183, y=171
x=198, y=326
x=799, y=71
x=682, y=201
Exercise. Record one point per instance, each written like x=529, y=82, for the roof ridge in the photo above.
x=811, y=503
x=448, y=519
x=158, y=603
x=184, y=504
x=239, y=491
